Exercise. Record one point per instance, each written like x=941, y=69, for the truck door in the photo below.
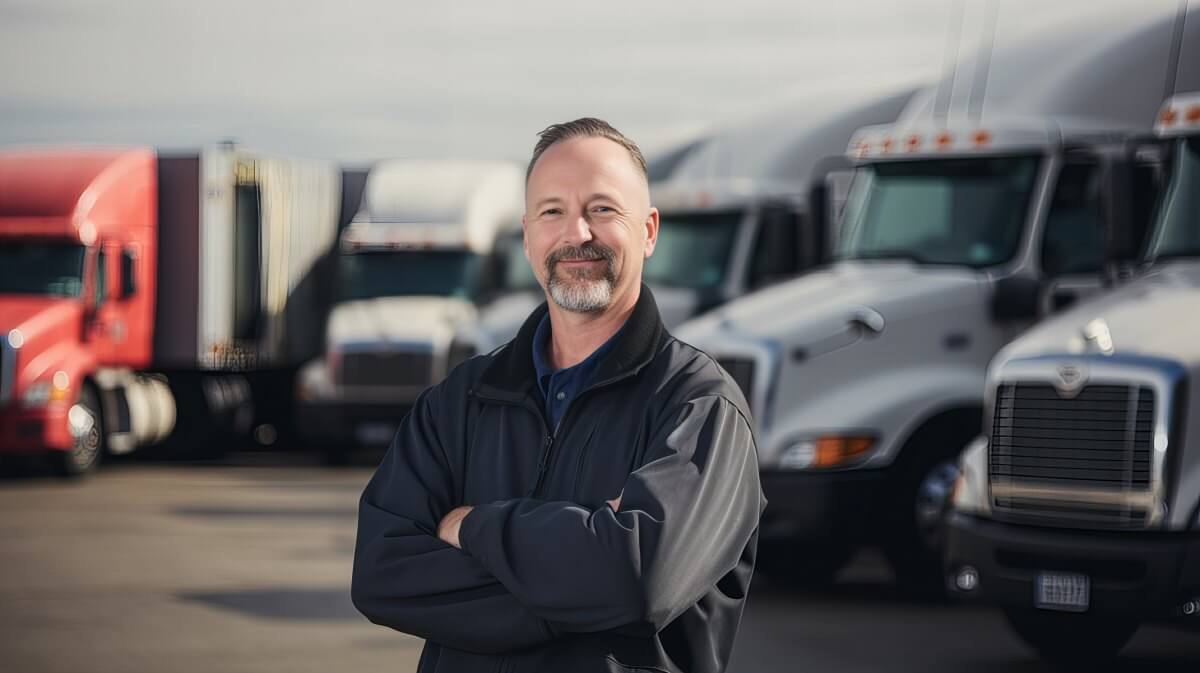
x=106, y=328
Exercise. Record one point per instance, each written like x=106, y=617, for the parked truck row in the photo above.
x=963, y=315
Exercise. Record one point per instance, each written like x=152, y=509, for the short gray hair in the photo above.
x=584, y=127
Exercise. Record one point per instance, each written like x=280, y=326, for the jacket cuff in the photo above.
x=473, y=524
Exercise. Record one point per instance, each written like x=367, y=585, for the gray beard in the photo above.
x=581, y=295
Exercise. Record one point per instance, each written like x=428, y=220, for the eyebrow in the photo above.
x=546, y=201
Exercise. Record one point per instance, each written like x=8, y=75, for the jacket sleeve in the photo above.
x=408, y=579
x=685, y=517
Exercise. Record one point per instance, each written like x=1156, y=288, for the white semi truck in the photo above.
x=1078, y=511
x=967, y=220
x=413, y=263
x=749, y=206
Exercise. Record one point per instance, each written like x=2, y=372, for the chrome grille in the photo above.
x=387, y=369
x=742, y=372
x=1081, y=459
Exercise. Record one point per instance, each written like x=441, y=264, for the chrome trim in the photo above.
x=1082, y=496
x=1161, y=375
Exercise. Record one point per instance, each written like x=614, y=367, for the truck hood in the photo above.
x=675, y=304
x=42, y=321
x=1154, y=315
x=823, y=302
x=396, y=321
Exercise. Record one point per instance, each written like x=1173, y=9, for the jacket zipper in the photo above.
x=551, y=435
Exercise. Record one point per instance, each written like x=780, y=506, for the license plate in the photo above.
x=1067, y=592
x=374, y=433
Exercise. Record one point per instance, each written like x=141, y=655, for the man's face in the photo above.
x=588, y=223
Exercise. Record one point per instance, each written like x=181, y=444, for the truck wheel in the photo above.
x=913, y=533
x=809, y=566
x=87, y=428
x=1072, y=641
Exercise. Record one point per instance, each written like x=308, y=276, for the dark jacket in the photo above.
x=549, y=577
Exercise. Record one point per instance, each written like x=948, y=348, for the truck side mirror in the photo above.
x=128, y=279
x=1116, y=209
x=1128, y=194
x=1016, y=298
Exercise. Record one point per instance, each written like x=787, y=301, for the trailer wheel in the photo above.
x=1072, y=641
x=87, y=428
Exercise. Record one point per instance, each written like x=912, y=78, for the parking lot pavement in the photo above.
x=246, y=567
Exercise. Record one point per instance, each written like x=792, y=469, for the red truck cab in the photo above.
x=77, y=293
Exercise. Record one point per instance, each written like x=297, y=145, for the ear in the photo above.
x=525, y=237
x=651, y=230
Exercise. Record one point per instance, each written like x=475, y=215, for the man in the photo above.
x=585, y=498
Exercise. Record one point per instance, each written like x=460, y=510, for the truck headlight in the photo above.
x=826, y=451
x=970, y=493
x=42, y=393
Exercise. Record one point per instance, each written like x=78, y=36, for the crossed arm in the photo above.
x=488, y=578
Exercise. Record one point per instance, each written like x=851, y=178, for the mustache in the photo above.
x=588, y=252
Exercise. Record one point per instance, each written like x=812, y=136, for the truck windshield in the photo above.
x=693, y=251
x=1177, y=232
x=54, y=269
x=369, y=275
x=949, y=211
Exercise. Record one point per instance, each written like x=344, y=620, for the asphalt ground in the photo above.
x=245, y=566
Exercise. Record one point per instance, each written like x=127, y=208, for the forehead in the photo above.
x=583, y=164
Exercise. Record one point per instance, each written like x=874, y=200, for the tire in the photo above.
x=87, y=426
x=1072, y=641
x=803, y=566
x=913, y=532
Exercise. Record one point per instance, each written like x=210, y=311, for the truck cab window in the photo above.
x=776, y=249
x=1073, y=240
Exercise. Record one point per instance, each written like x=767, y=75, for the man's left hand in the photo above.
x=447, y=530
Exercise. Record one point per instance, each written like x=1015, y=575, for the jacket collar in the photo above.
x=511, y=371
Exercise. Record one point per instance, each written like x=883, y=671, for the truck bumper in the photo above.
x=34, y=430
x=1141, y=574
x=320, y=421
x=818, y=505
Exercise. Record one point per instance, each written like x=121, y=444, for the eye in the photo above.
x=551, y=211
x=603, y=209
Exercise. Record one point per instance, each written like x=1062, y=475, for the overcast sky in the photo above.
x=398, y=78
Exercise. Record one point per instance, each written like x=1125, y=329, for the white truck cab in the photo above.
x=749, y=206
x=413, y=263
x=961, y=229
x=1078, y=511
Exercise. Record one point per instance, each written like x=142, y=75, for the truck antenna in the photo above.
x=1176, y=47
x=945, y=90
x=983, y=63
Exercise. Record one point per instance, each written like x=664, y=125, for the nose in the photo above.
x=579, y=231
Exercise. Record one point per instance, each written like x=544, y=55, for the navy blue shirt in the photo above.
x=559, y=387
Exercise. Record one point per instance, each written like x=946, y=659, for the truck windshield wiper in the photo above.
x=1179, y=254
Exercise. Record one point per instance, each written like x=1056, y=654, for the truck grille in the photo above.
x=1084, y=459
x=387, y=369
x=742, y=372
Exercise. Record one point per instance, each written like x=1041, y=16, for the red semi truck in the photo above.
x=143, y=293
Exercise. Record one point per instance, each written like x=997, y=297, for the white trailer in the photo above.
x=413, y=264
x=966, y=222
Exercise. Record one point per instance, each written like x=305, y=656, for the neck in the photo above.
x=575, y=336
